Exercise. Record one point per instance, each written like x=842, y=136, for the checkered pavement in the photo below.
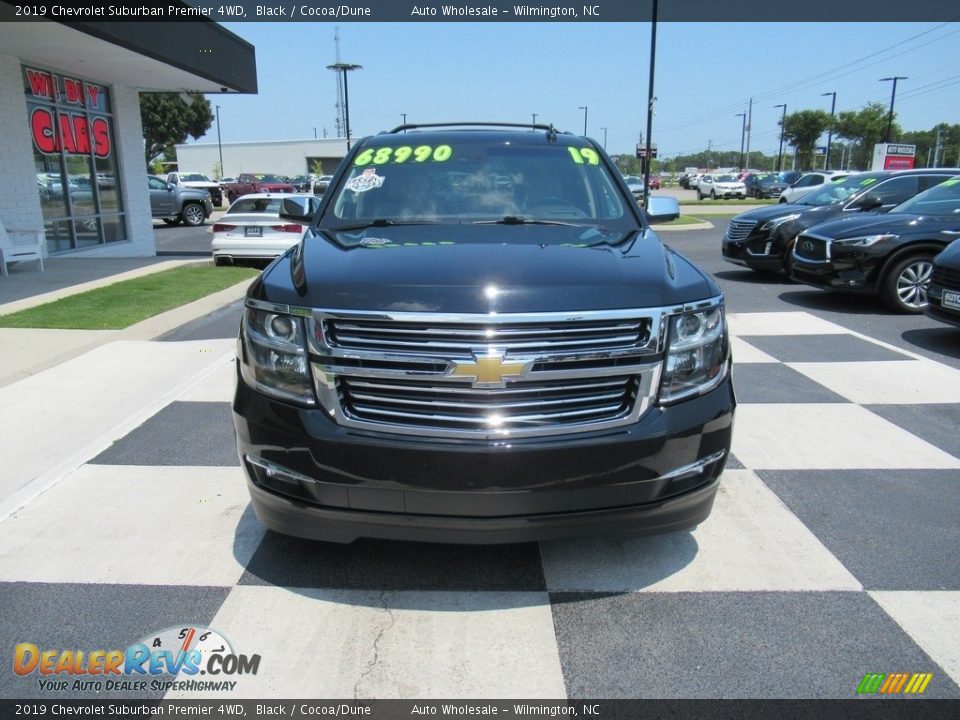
x=831, y=552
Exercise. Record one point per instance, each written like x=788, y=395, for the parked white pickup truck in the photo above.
x=198, y=180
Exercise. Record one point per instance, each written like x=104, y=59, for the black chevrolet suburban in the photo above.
x=481, y=340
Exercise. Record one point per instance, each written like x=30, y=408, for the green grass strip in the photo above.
x=125, y=303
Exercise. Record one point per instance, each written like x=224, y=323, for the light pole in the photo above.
x=743, y=135
x=650, y=100
x=604, y=138
x=404, y=116
x=344, y=68
x=893, y=96
x=833, y=107
x=782, y=123
x=584, y=108
x=534, y=118
x=219, y=144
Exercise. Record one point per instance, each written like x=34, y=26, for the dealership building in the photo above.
x=279, y=157
x=72, y=142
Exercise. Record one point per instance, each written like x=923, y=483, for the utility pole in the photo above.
x=749, y=128
x=650, y=100
x=833, y=107
x=219, y=145
x=893, y=96
x=604, y=138
x=937, y=148
x=782, y=123
x=534, y=118
x=584, y=108
x=342, y=69
x=709, y=148
x=743, y=131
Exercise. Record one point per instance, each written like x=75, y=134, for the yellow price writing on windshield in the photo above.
x=584, y=155
x=403, y=153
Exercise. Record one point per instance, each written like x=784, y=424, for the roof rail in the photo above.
x=528, y=126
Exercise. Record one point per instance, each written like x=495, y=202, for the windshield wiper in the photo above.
x=518, y=220
x=379, y=222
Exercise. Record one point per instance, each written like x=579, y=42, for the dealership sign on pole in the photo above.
x=893, y=156
x=642, y=151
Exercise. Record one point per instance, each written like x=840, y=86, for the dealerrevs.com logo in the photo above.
x=177, y=653
x=894, y=683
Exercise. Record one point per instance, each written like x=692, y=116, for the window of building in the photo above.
x=71, y=124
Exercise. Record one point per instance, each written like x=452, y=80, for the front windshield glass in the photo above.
x=944, y=199
x=270, y=178
x=483, y=179
x=769, y=179
x=725, y=178
x=194, y=177
x=838, y=191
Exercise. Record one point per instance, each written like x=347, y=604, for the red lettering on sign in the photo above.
x=74, y=90
x=41, y=123
x=66, y=135
x=41, y=84
x=93, y=95
x=75, y=136
x=101, y=137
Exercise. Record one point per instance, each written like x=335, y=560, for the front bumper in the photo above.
x=756, y=251
x=328, y=482
x=935, y=308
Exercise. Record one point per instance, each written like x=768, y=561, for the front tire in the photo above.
x=904, y=288
x=699, y=194
x=193, y=215
x=783, y=200
x=713, y=194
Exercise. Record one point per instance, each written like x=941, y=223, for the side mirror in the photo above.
x=869, y=202
x=291, y=209
x=662, y=210
x=170, y=187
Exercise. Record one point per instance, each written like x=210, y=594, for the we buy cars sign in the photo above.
x=76, y=133
x=894, y=156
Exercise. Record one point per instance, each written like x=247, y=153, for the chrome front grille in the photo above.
x=739, y=229
x=522, y=405
x=487, y=376
x=459, y=339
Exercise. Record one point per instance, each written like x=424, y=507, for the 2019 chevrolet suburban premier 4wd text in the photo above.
x=481, y=340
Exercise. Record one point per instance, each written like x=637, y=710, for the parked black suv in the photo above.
x=890, y=255
x=944, y=293
x=761, y=239
x=481, y=340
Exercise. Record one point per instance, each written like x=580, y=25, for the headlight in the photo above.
x=696, y=360
x=273, y=357
x=777, y=222
x=865, y=241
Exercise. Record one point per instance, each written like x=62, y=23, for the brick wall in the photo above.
x=19, y=200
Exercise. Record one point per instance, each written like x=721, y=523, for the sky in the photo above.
x=705, y=74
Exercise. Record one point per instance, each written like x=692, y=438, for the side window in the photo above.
x=805, y=181
x=708, y=178
x=816, y=179
x=156, y=183
x=896, y=190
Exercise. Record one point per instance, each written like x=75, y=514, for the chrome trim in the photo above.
x=694, y=468
x=278, y=307
x=826, y=249
x=273, y=470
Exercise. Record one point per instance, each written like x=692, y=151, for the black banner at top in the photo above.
x=737, y=11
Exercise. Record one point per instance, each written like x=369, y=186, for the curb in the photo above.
x=705, y=225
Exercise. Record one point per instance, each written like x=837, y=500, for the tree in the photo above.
x=802, y=130
x=168, y=120
x=865, y=127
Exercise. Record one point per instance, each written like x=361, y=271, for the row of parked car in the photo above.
x=883, y=233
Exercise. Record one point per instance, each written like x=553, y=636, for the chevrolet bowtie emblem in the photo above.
x=488, y=370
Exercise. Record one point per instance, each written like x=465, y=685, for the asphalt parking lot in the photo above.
x=830, y=552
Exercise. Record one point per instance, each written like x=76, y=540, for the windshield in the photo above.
x=944, y=199
x=633, y=180
x=270, y=178
x=194, y=177
x=725, y=178
x=769, y=179
x=471, y=180
x=838, y=191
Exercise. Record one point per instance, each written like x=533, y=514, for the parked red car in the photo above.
x=249, y=183
x=654, y=182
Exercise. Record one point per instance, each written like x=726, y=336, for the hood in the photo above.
x=892, y=223
x=468, y=270
x=200, y=183
x=274, y=185
x=950, y=256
